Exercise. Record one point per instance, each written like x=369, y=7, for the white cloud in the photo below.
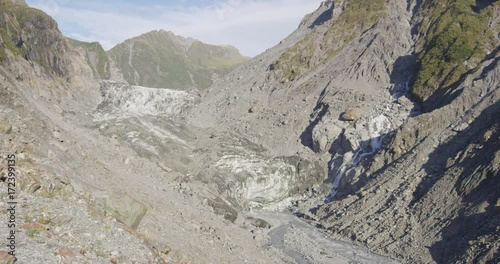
x=250, y=25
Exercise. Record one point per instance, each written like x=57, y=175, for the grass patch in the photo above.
x=356, y=17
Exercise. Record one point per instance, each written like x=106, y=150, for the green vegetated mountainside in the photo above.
x=163, y=60
x=455, y=37
x=96, y=57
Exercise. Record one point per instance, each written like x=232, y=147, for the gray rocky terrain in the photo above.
x=323, y=149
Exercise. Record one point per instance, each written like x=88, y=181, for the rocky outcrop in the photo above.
x=32, y=34
x=433, y=174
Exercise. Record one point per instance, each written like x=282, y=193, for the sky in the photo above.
x=250, y=25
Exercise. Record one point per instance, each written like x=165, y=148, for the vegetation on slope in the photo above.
x=30, y=33
x=322, y=44
x=96, y=57
x=456, y=36
x=161, y=59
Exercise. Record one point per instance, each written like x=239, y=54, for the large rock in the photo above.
x=5, y=127
x=324, y=135
x=125, y=209
x=6, y=258
x=352, y=114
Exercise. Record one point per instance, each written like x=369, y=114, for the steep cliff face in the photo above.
x=30, y=33
x=429, y=185
x=161, y=59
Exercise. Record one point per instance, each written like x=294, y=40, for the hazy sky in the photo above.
x=250, y=25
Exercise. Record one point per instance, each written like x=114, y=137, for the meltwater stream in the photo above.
x=301, y=243
x=379, y=125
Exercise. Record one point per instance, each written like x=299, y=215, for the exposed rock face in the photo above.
x=32, y=34
x=96, y=57
x=431, y=174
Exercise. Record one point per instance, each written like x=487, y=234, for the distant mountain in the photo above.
x=160, y=59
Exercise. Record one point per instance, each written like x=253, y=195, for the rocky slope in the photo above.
x=70, y=207
x=341, y=124
x=160, y=59
x=401, y=179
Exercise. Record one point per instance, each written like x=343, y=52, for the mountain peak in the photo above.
x=163, y=59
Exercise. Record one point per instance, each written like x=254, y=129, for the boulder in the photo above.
x=223, y=208
x=259, y=223
x=324, y=135
x=125, y=209
x=403, y=100
x=114, y=140
x=6, y=258
x=352, y=114
x=5, y=127
x=64, y=254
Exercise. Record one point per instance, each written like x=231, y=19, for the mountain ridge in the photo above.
x=178, y=62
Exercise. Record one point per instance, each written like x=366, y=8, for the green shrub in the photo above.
x=357, y=16
x=455, y=39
